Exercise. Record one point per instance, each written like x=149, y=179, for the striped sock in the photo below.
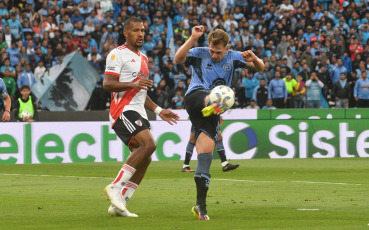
x=124, y=175
x=128, y=189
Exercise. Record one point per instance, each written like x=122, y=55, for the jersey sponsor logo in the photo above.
x=138, y=122
x=227, y=67
x=140, y=75
x=209, y=66
x=113, y=57
x=111, y=68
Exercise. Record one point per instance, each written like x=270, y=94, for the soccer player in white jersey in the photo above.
x=7, y=101
x=126, y=77
x=211, y=66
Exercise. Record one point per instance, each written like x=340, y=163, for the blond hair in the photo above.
x=218, y=36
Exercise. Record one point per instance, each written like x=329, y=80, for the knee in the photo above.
x=150, y=147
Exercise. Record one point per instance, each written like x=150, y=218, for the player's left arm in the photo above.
x=164, y=114
x=252, y=60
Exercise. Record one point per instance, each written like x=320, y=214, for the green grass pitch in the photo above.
x=260, y=194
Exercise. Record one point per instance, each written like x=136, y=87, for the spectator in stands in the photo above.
x=269, y=105
x=260, y=95
x=14, y=54
x=16, y=28
x=252, y=105
x=26, y=77
x=361, y=91
x=7, y=70
x=313, y=91
x=290, y=85
x=249, y=84
x=336, y=70
x=341, y=92
x=39, y=70
x=298, y=95
x=277, y=91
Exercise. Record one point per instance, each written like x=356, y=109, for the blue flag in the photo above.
x=67, y=86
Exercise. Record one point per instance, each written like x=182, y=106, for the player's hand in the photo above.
x=197, y=31
x=249, y=56
x=169, y=116
x=6, y=116
x=142, y=84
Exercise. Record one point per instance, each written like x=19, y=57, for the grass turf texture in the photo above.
x=267, y=196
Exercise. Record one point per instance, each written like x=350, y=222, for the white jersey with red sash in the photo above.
x=128, y=66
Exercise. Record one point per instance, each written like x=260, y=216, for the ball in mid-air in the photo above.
x=223, y=95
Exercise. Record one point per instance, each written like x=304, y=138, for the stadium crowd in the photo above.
x=314, y=51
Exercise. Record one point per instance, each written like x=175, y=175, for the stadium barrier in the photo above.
x=264, y=134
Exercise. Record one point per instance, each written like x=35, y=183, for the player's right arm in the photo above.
x=111, y=83
x=182, y=52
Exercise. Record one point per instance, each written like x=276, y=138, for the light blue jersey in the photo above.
x=207, y=74
x=3, y=92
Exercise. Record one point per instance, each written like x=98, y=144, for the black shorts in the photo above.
x=128, y=125
x=194, y=103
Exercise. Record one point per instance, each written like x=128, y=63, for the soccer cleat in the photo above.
x=113, y=192
x=114, y=211
x=187, y=169
x=196, y=212
x=215, y=108
x=229, y=167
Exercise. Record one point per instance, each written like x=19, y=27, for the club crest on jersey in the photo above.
x=138, y=122
x=112, y=57
x=227, y=67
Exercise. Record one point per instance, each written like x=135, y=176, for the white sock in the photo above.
x=224, y=163
x=124, y=175
x=184, y=166
x=128, y=189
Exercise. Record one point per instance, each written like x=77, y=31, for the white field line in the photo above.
x=308, y=209
x=250, y=181
x=304, y=182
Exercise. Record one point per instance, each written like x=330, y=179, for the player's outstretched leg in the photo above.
x=189, y=151
x=202, y=180
x=225, y=165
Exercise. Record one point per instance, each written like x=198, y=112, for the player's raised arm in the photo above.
x=165, y=114
x=182, y=52
x=252, y=60
x=111, y=84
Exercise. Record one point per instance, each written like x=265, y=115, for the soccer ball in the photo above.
x=223, y=95
x=25, y=114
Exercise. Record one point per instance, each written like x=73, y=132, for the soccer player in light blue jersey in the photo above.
x=211, y=66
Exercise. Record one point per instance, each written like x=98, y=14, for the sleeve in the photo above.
x=3, y=92
x=308, y=83
x=114, y=63
x=193, y=55
x=238, y=61
x=321, y=84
